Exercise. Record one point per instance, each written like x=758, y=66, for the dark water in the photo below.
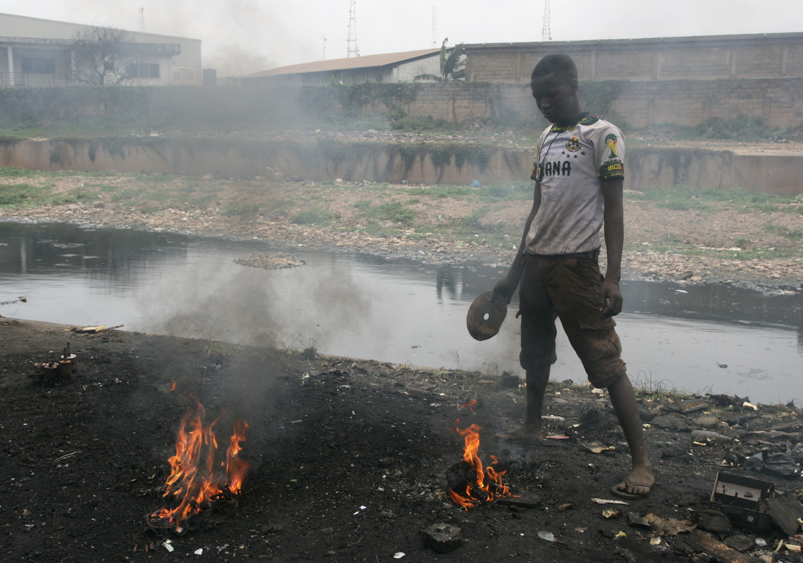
x=397, y=311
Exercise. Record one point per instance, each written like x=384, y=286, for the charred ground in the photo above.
x=349, y=457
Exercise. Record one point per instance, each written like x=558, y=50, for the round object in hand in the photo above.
x=486, y=315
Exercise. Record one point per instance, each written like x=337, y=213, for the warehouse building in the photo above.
x=389, y=67
x=39, y=52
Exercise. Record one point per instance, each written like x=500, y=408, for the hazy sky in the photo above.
x=241, y=36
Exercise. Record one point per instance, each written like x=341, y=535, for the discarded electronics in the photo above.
x=56, y=371
x=744, y=500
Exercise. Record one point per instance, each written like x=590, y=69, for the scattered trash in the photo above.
x=743, y=500
x=717, y=550
x=739, y=543
x=553, y=418
x=655, y=541
x=712, y=521
x=620, y=534
x=199, y=551
x=565, y=507
x=606, y=501
x=597, y=447
x=761, y=542
x=611, y=513
x=475, y=184
x=443, y=538
x=786, y=512
x=701, y=435
x=706, y=421
x=548, y=536
x=399, y=555
x=634, y=520
x=669, y=526
x=748, y=405
x=557, y=437
x=690, y=405
x=168, y=546
x=777, y=464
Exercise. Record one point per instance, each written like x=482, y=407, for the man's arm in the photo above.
x=507, y=285
x=610, y=296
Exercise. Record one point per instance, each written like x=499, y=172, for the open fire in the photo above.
x=468, y=482
x=200, y=478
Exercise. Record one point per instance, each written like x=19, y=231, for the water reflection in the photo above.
x=365, y=306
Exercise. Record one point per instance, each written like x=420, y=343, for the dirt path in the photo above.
x=348, y=458
x=679, y=234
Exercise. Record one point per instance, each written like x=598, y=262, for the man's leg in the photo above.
x=623, y=398
x=537, y=379
x=537, y=349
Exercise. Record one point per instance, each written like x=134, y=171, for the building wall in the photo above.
x=777, y=55
x=407, y=72
x=779, y=102
x=184, y=68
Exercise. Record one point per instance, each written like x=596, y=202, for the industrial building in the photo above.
x=39, y=52
x=390, y=67
x=711, y=57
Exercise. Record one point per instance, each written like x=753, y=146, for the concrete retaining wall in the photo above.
x=326, y=160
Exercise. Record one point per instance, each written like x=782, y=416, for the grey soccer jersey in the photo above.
x=570, y=163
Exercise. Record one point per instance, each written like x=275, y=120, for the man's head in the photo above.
x=554, y=85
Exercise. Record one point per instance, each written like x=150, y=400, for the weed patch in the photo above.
x=313, y=216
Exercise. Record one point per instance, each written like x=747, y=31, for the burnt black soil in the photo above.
x=349, y=458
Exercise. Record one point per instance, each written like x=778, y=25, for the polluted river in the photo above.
x=711, y=338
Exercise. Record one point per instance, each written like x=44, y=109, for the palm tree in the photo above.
x=452, y=68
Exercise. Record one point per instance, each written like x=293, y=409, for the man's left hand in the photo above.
x=610, y=299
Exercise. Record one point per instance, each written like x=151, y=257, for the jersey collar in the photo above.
x=584, y=118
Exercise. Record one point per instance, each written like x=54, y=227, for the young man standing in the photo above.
x=578, y=173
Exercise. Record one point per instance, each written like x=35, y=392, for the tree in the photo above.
x=101, y=55
x=452, y=68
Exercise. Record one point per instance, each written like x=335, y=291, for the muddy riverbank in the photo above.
x=682, y=234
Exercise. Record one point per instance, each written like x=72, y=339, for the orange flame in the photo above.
x=468, y=405
x=193, y=482
x=487, y=485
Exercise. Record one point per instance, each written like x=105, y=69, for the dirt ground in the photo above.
x=349, y=458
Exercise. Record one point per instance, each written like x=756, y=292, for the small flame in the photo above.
x=194, y=482
x=469, y=405
x=487, y=485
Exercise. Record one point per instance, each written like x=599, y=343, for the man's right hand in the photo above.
x=505, y=287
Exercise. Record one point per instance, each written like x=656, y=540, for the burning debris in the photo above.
x=469, y=483
x=200, y=480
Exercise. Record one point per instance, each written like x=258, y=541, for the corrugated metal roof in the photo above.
x=367, y=61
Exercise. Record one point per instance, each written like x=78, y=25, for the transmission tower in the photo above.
x=353, y=51
x=142, y=19
x=546, y=33
x=434, y=26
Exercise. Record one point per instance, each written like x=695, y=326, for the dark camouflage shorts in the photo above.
x=567, y=288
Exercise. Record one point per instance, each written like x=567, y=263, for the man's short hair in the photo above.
x=560, y=65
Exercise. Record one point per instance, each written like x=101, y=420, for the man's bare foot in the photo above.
x=637, y=485
x=520, y=434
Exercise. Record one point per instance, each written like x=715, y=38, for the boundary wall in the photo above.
x=377, y=162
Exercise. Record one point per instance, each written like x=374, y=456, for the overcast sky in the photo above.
x=243, y=36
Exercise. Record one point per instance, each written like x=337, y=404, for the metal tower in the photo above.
x=142, y=19
x=353, y=51
x=546, y=33
x=434, y=26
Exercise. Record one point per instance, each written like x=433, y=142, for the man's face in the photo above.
x=555, y=97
